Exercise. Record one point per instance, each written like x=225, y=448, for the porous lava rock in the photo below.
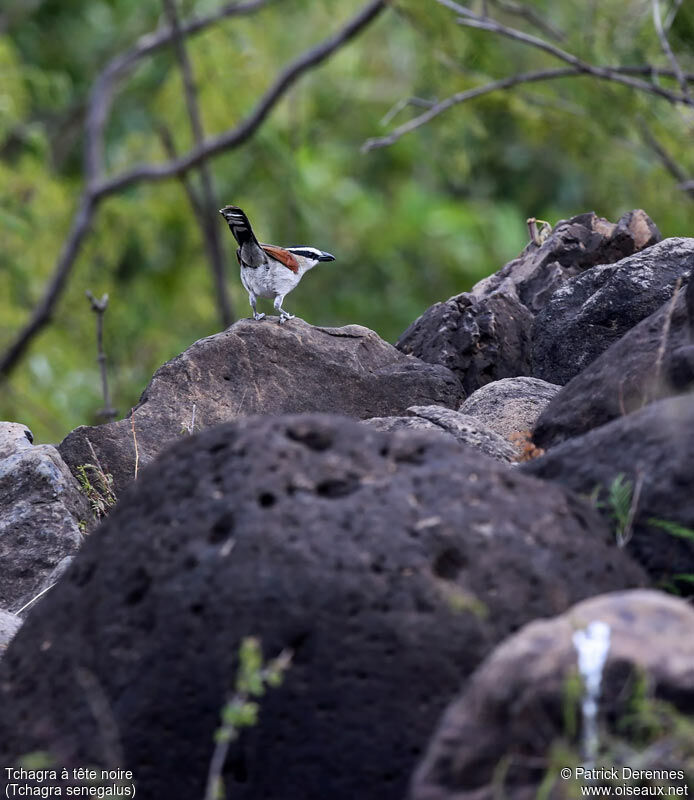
x=485, y=334
x=496, y=738
x=466, y=430
x=652, y=361
x=262, y=368
x=652, y=450
x=510, y=405
x=42, y=515
x=389, y=564
x=588, y=313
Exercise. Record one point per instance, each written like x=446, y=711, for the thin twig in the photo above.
x=34, y=599
x=664, y=336
x=625, y=535
x=99, y=308
x=234, y=137
x=132, y=428
x=665, y=44
x=207, y=219
x=672, y=166
x=401, y=104
x=533, y=17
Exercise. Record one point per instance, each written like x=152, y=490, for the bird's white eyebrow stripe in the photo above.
x=307, y=252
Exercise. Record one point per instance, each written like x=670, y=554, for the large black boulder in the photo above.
x=590, y=312
x=390, y=563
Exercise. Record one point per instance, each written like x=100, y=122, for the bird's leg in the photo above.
x=252, y=301
x=284, y=315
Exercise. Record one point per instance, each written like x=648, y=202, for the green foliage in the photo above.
x=673, y=528
x=619, y=496
x=99, y=493
x=410, y=225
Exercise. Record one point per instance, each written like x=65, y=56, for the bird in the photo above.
x=267, y=270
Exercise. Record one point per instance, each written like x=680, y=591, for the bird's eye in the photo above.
x=29, y=435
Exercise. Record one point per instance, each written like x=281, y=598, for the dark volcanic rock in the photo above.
x=593, y=310
x=42, y=514
x=485, y=334
x=511, y=405
x=464, y=429
x=9, y=625
x=573, y=246
x=389, y=563
x=653, y=360
x=264, y=368
x=651, y=448
x=514, y=708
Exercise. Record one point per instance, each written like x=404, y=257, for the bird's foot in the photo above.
x=257, y=315
x=284, y=316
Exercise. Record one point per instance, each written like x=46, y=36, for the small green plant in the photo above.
x=673, y=528
x=99, y=493
x=241, y=710
x=619, y=496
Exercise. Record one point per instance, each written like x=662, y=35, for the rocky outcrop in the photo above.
x=511, y=405
x=42, y=515
x=652, y=361
x=464, y=429
x=590, y=312
x=652, y=450
x=390, y=564
x=263, y=368
x=486, y=334
x=496, y=738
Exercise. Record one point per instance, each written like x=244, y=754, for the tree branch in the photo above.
x=206, y=217
x=101, y=95
x=96, y=191
x=665, y=44
x=533, y=17
x=494, y=86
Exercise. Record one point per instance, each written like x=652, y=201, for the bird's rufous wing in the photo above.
x=282, y=255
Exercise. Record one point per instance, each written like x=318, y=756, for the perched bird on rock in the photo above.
x=268, y=270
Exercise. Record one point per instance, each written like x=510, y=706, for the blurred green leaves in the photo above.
x=410, y=225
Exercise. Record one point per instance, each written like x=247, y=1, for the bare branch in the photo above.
x=419, y=102
x=471, y=20
x=533, y=17
x=667, y=160
x=665, y=44
x=97, y=191
x=101, y=95
x=207, y=218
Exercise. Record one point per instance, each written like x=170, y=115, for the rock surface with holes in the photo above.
x=654, y=360
x=651, y=450
x=485, y=334
x=511, y=405
x=464, y=429
x=496, y=738
x=42, y=515
x=389, y=563
x=263, y=368
x=590, y=312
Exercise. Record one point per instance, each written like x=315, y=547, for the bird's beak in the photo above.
x=326, y=257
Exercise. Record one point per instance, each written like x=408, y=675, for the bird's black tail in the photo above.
x=239, y=224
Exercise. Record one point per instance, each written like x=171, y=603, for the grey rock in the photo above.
x=510, y=405
x=390, y=563
x=485, y=334
x=9, y=625
x=652, y=449
x=513, y=709
x=652, y=361
x=14, y=437
x=463, y=429
x=590, y=312
x=41, y=511
x=263, y=368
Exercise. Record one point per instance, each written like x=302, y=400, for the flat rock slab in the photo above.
x=42, y=517
x=510, y=405
x=652, y=361
x=590, y=312
x=463, y=429
x=652, y=450
x=389, y=563
x=486, y=334
x=263, y=368
x=514, y=708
